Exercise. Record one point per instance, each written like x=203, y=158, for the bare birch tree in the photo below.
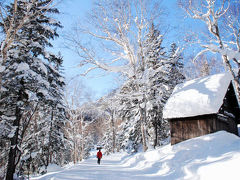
x=73, y=95
x=116, y=32
x=223, y=23
x=76, y=94
x=118, y=28
x=108, y=106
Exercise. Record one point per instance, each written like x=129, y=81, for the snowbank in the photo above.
x=53, y=168
x=213, y=156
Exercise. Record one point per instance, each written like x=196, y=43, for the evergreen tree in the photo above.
x=142, y=92
x=130, y=135
x=154, y=55
x=175, y=65
x=26, y=80
x=144, y=96
x=57, y=108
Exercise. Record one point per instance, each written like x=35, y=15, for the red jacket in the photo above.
x=99, y=154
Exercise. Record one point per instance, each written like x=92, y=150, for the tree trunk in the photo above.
x=74, y=153
x=82, y=140
x=113, y=132
x=82, y=153
x=143, y=121
x=12, y=157
x=143, y=137
x=50, y=142
x=156, y=133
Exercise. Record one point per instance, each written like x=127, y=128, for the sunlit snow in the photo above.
x=197, y=97
x=213, y=156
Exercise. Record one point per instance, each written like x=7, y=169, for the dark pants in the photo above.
x=98, y=161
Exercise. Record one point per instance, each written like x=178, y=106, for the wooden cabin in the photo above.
x=202, y=106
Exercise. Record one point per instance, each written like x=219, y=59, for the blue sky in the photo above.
x=98, y=82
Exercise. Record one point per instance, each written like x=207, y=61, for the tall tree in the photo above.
x=223, y=23
x=119, y=28
x=154, y=54
x=25, y=79
x=145, y=95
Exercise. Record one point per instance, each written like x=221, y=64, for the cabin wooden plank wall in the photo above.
x=187, y=128
x=191, y=127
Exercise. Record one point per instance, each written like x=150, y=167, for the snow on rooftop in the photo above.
x=198, y=96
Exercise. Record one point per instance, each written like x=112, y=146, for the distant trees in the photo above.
x=109, y=106
x=83, y=116
x=74, y=96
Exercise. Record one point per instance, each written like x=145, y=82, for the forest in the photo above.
x=46, y=118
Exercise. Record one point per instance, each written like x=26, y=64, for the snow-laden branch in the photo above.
x=217, y=16
x=121, y=28
x=230, y=53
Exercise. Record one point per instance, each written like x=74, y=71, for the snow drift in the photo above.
x=213, y=156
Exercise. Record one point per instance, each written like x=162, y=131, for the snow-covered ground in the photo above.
x=214, y=156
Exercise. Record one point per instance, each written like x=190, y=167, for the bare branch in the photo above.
x=120, y=27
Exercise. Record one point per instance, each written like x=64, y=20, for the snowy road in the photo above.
x=111, y=168
x=213, y=156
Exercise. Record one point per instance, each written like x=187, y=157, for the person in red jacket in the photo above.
x=99, y=156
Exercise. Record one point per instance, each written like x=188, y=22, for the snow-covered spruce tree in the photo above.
x=130, y=136
x=57, y=108
x=169, y=75
x=154, y=55
x=141, y=94
x=162, y=72
x=25, y=79
x=175, y=66
x=145, y=95
x=49, y=127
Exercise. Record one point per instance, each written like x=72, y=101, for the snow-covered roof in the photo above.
x=197, y=97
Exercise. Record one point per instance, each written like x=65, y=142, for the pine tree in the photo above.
x=25, y=80
x=170, y=75
x=176, y=66
x=154, y=56
x=145, y=88
x=57, y=108
x=145, y=94
x=130, y=138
